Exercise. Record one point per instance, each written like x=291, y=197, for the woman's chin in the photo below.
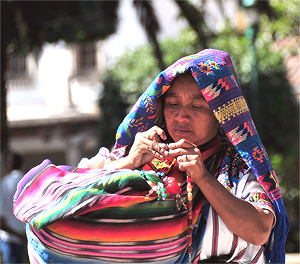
x=178, y=136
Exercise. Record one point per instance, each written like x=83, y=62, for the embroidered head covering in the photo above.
x=214, y=73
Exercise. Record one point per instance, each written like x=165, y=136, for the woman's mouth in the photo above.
x=182, y=131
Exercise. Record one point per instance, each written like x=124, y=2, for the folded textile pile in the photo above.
x=95, y=215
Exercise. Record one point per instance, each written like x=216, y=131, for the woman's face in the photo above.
x=187, y=114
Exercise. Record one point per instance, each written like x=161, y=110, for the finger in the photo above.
x=186, y=166
x=183, y=158
x=178, y=152
x=160, y=132
x=155, y=153
x=182, y=151
x=164, y=146
x=188, y=158
x=149, y=142
x=182, y=143
x=185, y=162
x=146, y=145
x=159, y=148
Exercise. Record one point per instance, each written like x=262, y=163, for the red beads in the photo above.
x=189, y=189
x=172, y=185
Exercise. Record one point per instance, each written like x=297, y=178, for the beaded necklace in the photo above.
x=189, y=189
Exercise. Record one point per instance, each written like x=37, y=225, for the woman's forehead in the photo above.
x=193, y=95
x=184, y=84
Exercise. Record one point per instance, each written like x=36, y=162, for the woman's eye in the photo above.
x=173, y=105
x=196, y=107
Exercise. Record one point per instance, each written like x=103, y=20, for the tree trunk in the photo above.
x=150, y=24
x=158, y=54
x=195, y=19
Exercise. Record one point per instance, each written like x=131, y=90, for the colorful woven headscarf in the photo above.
x=214, y=73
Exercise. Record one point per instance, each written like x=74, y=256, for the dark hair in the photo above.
x=15, y=159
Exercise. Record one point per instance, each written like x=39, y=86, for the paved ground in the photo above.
x=293, y=258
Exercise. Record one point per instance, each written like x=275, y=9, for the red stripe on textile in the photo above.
x=215, y=236
x=234, y=243
x=112, y=254
x=256, y=258
x=111, y=246
x=57, y=179
x=106, y=232
x=196, y=259
x=275, y=195
x=239, y=255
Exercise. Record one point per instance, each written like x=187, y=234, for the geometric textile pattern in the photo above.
x=220, y=86
x=231, y=109
x=241, y=133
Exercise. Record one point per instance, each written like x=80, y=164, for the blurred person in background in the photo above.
x=12, y=233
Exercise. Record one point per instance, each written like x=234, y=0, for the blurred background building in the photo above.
x=52, y=98
x=52, y=102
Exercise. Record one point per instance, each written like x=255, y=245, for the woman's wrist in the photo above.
x=200, y=178
x=129, y=163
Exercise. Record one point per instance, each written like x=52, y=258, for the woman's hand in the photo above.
x=147, y=145
x=189, y=159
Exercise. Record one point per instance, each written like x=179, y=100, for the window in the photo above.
x=16, y=67
x=86, y=58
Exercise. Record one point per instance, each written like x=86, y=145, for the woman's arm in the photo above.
x=243, y=218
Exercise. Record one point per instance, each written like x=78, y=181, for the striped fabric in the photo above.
x=92, y=215
x=218, y=238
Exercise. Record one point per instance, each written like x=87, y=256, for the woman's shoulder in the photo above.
x=232, y=158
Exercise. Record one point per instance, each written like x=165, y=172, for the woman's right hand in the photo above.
x=146, y=146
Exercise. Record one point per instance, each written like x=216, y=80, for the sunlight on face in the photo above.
x=187, y=114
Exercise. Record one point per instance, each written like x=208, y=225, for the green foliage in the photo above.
x=135, y=71
x=113, y=109
x=187, y=43
x=288, y=20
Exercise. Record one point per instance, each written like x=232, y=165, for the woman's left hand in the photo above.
x=189, y=159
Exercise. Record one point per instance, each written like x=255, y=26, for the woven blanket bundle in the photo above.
x=103, y=216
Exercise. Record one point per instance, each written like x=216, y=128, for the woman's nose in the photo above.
x=182, y=115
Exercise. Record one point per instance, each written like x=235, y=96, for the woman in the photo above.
x=209, y=198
